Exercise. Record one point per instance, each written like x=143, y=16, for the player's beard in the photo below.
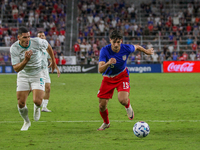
x=116, y=49
x=26, y=43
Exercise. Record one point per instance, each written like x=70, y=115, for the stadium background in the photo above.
x=77, y=30
x=168, y=102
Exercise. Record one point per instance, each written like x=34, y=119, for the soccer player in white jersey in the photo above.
x=47, y=80
x=26, y=58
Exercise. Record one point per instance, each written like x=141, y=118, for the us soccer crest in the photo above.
x=124, y=57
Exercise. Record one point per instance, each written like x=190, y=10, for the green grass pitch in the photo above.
x=169, y=103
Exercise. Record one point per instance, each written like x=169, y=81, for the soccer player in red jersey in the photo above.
x=112, y=65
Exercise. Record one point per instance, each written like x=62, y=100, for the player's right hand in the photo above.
x=28, y=55
x=112, y=61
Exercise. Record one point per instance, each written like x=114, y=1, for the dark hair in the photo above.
x=115, y=35
x=22, y=30
x=40, y=32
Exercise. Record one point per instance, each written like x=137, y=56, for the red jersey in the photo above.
x=63, y=61
x=96, y=52
x=62, y=32
x=91, y=34
x=54, y=52
x=138, y=57
x=57, y=43
x=194, y=47
x=174, y=28
x=181, y=58
x=37, y=11
x=188, y=28
x=76, y=48
x=168, y=23
x=57, y=60
x=185, y=56
x=150, y=27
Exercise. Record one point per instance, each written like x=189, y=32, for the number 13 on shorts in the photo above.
x=125, y=85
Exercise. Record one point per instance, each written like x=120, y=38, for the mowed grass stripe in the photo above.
x=86, y=121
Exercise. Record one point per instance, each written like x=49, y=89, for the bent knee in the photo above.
x=38, y=100
x=102, y=107
x=123, y=101
x=21, y=104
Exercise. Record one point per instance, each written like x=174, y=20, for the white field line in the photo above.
x=89, y=121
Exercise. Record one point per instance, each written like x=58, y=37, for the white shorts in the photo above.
x=47, y=80
x=26, y=82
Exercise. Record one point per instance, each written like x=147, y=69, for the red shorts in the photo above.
x=121, y=82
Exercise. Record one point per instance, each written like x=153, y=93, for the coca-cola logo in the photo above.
x=185, y=67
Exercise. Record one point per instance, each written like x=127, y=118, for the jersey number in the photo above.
x=125, y=85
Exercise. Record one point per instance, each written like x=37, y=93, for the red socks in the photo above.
x=127, y=106
x=104, y=116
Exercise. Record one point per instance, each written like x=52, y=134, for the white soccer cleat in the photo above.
x=37, y=113
x=104, y=126
x=44, y=109
x=130, y=112
x=25, y=126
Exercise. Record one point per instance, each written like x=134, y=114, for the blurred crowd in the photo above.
x=98, y=17
x=172, y=32
x=48, y=16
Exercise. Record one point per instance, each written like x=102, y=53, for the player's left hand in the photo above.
x=149, y=51
x=58, y=72
x=52, y=65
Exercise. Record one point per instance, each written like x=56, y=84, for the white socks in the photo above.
x=24, y=113
x=45, y=103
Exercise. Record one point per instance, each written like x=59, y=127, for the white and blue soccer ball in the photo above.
x=141, y=129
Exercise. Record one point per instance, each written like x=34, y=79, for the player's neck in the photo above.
x=115, y=51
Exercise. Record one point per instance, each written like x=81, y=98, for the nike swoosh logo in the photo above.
x=87, y=69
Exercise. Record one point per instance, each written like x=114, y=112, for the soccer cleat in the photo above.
x=36, y=114
x=130, y=112
x=44, y=109
x=104, y=126
x=25, y=126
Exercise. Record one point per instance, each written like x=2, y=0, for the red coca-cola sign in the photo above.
x=181, y=66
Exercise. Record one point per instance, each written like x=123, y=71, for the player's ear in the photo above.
x=110, y=40
x=18, y=37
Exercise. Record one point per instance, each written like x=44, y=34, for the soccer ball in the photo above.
x=141, y=129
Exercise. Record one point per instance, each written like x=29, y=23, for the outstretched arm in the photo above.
x=146, y=51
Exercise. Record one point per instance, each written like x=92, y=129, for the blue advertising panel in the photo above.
x=1, y=69
x=8, y=69
x=145, y=68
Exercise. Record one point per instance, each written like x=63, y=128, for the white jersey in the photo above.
x=35, y=64
x=46, y=57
